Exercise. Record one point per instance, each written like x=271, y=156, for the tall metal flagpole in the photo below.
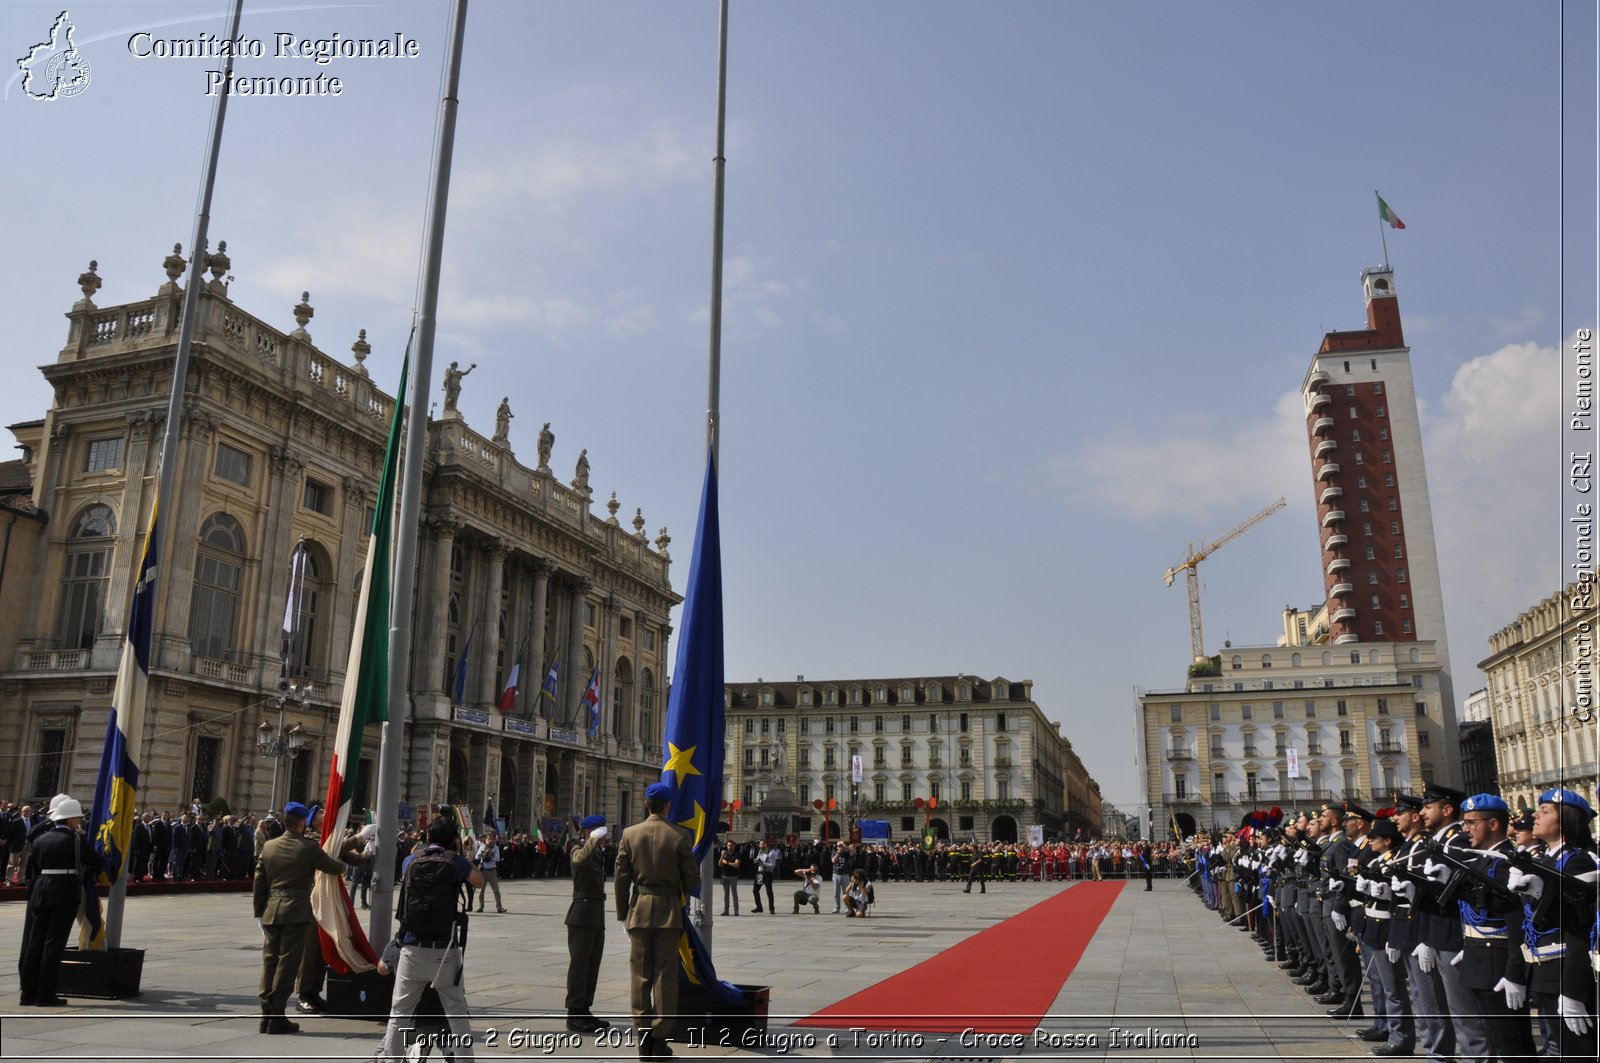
x=714, y=389
x=180, y=374
x=391, y=755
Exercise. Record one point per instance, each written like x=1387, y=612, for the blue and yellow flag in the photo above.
x=696, y=725
x=550, y=684
x=117, y=788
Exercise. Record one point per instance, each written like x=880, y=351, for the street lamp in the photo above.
x=277, y=743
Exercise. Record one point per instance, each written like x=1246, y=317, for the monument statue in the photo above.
x=547, y=442
x=502, y=421
x=581, y=479
x=452, y=383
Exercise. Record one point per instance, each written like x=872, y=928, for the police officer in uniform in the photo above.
x=586, y=927
x=282, y=899
x=59, y=858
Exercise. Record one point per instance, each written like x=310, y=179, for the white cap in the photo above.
x=63, y=807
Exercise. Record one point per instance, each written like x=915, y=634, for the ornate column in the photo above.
x=608, y=671
x=538, y=654
x=286, y=466
x=197, y=428
x=487, y=692
x=444, y=538
x=574, y=655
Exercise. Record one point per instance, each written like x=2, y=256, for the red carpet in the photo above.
x=1001, y=980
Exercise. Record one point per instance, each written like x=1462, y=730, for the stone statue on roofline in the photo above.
x=452, y=383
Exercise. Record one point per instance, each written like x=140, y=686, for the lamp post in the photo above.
x=276, y=744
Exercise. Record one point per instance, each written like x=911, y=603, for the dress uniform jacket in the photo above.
x=655, y=860
x=282, y=896
x=586, y=925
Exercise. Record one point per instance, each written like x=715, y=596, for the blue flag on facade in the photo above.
x=458, y=686
x=550, y=683
x=116, y=790
x=695, y=730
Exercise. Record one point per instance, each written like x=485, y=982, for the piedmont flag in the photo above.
x=117, y=788
x=549, y=688
x=508, y=696
x=591, y=698
x=291, y=608
x=1385, y=214
x=366, y=700
x=695, y=730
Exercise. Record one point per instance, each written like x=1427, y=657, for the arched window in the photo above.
x=621, y=697
x=218, y=571
x=647, y=706
x=83, y=584
x=452, y=643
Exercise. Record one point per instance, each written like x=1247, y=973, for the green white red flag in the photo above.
x=1385, y=214
x=366, y=701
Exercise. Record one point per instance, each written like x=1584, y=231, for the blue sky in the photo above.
x=1018, y=295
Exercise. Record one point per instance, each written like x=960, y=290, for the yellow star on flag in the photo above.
x=681, y=762
x=696, y=822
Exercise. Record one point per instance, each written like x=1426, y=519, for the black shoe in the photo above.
x=582, y=1024
x=25, y=1002
x=279, y=1024
x=1372, y=1033
x=311, y=1004
x=1393, y=1050
x=598, y=1023
x=502, y=911
x=50, y=1002
x=263, y=1028
x=1306, y=978
x=1332, y=996
x=1347, y=1012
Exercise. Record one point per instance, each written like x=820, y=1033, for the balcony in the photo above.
x=1318, y=402
x=1180, y=753
x=1327, y=470
x=1340, y=590
x=1333, y=516
x=1347, y=637
x=1338, y=564
x=1323, y=424
x=1388, y=747
x=1251, y=751
x=1180, y=799
x=1326, y=447
x=1317, y=379
x=1342, y=615
x=1336, y=539
x=56, y=661
x=1331, y=493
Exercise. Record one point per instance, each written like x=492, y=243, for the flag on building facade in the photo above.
x=458, y=685
x=695, y=729
x=291, y=608
x=591, y=700
x=550, y=684
x=116, y=789
x=508, y=696
x=1385, y=214
x=365, y=701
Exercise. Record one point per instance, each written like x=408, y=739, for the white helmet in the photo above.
x=63, y=808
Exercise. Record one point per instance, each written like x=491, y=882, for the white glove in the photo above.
x=1576, y=1016
x=1530, y=886
x=1391, y=954
x=367, y=833
x=263, y=927
x=1402, y=888
x=1336, y=886
x=1381, y=891
x=371, y=848
x=1339, y=922
x=1427, y=959
x=1361, y=885
x=599, y=832
x=1437, y=872
x=1516, y=995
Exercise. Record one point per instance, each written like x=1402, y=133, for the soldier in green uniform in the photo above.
x=284, y=874
x=586, y=927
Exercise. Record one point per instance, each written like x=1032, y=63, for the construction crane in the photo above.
x=1190, y=565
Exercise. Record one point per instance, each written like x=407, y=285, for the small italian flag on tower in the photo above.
x=1385, y=214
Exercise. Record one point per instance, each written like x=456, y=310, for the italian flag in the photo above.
x=508, y=696
x=366, y=700
x=1385, y=214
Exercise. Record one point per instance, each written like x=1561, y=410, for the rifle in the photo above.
x=1472, y=874
x=1570, y=891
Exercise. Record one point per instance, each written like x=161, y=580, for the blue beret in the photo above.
x=658, y=791
x=296, y=809
x=1566, y=797
x=591, y=822
x=1484, y=803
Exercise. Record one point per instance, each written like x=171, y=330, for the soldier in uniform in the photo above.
x=1441, y=816
x=283, y=906
x=1410, y=926
x=1340, y=907
x=656, y=872
x=1393, y=1027
x=586, y=927
x=58, y=861
x=977, y=864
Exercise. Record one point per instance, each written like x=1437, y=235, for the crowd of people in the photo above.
x=1469, y=929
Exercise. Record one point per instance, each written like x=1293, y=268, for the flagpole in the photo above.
x=390, y=758
x=180, y=373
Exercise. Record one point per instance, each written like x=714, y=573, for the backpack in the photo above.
x=429, y=896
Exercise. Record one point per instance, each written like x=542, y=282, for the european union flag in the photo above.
x=695, y=724
x=117, y=788
x=458, y=685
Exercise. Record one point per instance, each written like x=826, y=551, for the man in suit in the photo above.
x=586, y=927
x=139, y=852
x=656, y=872
x=282, y=897
x=160, y=845
x=180, y=847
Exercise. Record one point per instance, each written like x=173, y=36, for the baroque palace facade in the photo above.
x=982, y=748
x=279, y=443
x=1541, y=693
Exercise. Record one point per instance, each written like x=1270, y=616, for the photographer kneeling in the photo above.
x=432, y=937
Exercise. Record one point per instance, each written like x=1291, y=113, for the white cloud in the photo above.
x=1192, y=465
